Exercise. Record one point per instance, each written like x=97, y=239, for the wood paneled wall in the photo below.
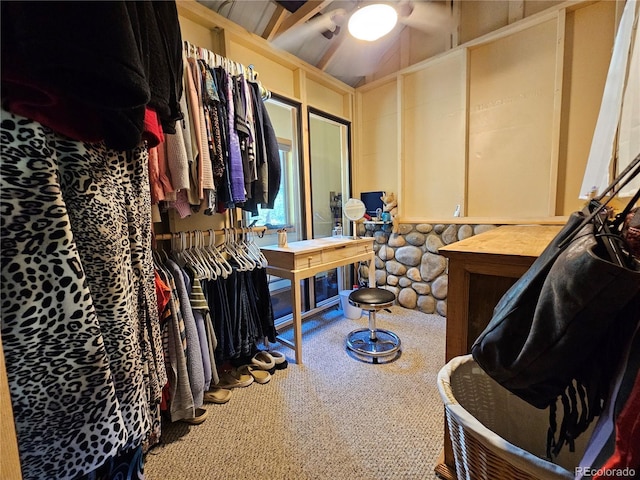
x=501, y=125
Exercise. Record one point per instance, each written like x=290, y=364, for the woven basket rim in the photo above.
x=501, y=454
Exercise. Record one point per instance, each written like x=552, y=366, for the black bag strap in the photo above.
x=619, y=179
x=628, y=174
x=622, y=215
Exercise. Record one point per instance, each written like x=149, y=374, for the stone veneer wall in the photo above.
x=408, y=263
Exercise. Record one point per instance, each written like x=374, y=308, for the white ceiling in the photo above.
x=341, y=56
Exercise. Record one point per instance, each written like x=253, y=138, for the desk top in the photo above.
x=309, y=246
x=514, y=240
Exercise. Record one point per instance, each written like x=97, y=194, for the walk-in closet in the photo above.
x=241, y=238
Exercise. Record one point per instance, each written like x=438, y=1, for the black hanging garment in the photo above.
x=548, y=335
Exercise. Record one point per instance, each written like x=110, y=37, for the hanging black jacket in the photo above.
x=89, y=69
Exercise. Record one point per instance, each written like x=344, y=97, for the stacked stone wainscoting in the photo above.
x=408, y=262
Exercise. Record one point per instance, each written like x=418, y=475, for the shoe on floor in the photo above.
x=200, y=416
x=234, y=379
x=263, y=360
x=259, y=375
x=217, y=395
x=280, y=360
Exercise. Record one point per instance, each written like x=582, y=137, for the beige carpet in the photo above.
x=333, y=417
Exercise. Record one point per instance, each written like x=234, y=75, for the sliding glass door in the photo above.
x=329, y=156
x=330, y=188
x=288, y=212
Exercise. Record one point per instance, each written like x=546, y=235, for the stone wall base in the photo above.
x=408, y=262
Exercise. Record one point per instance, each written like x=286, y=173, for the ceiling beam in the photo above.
x=334, y=46
x=274, y=22
x=304, y=13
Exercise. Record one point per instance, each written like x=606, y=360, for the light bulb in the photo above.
x=373, y=21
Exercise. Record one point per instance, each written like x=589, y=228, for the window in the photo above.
x=287, y=204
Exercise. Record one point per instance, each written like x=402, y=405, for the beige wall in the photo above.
x=376, y=154
x=501, y=124
x=581, y=86
x=511, y=117
x=433, y=137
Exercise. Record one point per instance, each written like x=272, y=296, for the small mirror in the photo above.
x=354, y=210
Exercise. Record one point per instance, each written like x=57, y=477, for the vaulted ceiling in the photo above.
x=316, y=31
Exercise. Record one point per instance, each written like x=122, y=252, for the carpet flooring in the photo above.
x=332, y=417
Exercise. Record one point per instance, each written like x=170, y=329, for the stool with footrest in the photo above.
x=373, y=342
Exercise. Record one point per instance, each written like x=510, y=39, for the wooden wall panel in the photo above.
x=325, y=99
x=434, y=123
x=273, y=75
x=198, y=35
x=589, y=38
x=511, y=118
x=480, y=17
x=377, y=165
x=532, y=7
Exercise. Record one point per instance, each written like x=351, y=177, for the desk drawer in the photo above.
x=340, y=253
x=312, y=254
x=308, y=260
x=329, y=255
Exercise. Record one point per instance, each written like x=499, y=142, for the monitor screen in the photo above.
x=372, y=201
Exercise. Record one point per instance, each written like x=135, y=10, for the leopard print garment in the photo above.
x=114, y=211
x=71, y=327
x=138, y=203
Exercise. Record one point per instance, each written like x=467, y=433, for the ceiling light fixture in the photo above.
x=373, y=21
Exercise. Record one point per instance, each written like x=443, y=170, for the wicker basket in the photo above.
x=496, y=435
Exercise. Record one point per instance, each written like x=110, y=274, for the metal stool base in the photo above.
x=373, y=343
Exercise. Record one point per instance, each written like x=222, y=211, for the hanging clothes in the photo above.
x=206, y=185
x=241, y=308
x=79, y=313
x=129, y=465
x=216, y=294
x=263, y=303
x=194, y=355
x=236, y=175
x=269, y=184
x=178, y=388
x=213, y=111
x=81, y=335
x=89, y=69
x=207, y=341
x=234, y=151
x=245, y=136
x=260, y=188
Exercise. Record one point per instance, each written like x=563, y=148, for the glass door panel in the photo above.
x=287, y=212
x=330, y=187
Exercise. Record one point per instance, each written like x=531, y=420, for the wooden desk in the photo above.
x=481, y=269
x=304, y=259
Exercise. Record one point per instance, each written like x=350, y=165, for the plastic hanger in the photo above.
x=253, y=249
x=225, y=267
x=212, y=269
x=231, y=247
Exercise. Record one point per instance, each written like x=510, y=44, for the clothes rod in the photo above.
x=168, y=236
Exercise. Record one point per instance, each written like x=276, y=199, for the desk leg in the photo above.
x=297, y=319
